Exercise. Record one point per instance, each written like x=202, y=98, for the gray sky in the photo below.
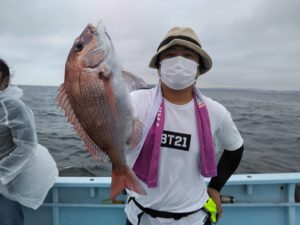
x=253, y=44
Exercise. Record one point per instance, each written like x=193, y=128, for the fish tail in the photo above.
x=125, y=179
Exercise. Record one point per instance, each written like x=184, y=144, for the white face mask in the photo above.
x=178, y=72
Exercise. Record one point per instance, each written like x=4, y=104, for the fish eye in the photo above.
x=78, y=47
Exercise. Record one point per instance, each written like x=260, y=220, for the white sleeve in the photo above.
x=227, y=134
x=134, y=99
x=140, y=100
x=20, y=120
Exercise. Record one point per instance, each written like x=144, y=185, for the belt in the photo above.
x=162, y=214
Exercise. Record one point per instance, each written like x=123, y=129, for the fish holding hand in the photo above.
x=95, y=99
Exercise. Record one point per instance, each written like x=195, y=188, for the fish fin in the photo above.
x=125, y=179
x=133, y=82
x=137, y=133
x=63, y=102
x=104, y=71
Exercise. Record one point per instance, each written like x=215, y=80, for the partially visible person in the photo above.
x=27, y=170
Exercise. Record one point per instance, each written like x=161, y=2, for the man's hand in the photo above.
x=215, y=195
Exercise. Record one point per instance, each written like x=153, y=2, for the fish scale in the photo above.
x=95, y=112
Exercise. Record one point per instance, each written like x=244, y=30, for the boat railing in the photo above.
x=255, y=199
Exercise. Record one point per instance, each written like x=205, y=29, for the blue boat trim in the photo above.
x=259, y=199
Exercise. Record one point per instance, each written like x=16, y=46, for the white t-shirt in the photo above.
x=181, y=187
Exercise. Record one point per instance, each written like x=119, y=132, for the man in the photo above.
x=183, y=130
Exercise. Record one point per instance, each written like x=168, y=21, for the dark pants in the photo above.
x=206, y=223
x=10, y=212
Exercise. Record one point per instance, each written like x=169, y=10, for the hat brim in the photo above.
x=205, y=57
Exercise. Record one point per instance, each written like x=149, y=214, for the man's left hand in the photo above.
x=215, y=195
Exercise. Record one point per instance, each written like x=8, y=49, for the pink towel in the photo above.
x=147, y=163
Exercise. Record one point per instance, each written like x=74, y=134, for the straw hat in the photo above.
x=183, y=36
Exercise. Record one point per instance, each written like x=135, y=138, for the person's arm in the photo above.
x=226, y=137
x=227, y=164
x=20, y=121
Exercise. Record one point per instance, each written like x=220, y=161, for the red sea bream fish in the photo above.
x=96, y=101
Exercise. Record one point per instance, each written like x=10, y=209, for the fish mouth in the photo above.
x=92, y=28
x=98, y=53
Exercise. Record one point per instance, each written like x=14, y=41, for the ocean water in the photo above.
x=269, y=122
